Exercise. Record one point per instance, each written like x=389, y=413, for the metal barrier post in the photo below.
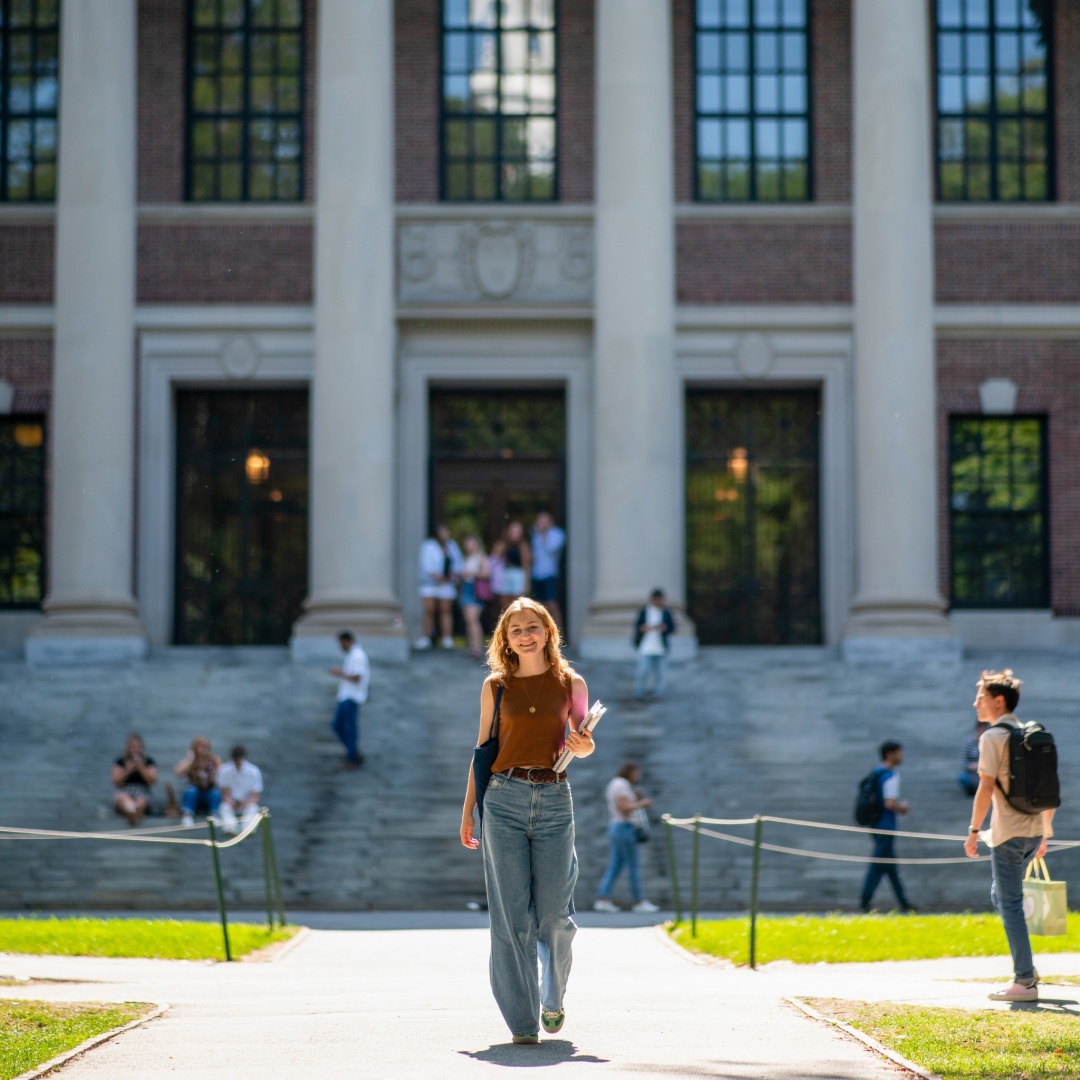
x=694, y=878
x=274, y=869
x=266, y=870
x=755, y=874
x=220, y=887
x=674, y=870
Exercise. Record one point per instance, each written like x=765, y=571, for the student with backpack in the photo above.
x=878, y=804
x=1018, y=780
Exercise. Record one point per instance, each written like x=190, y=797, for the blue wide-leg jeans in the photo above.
x=530, y=867
x=1008, y=864
x=624, y=853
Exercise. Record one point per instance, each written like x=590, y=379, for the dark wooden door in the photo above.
x=752, y=516
x=241, y=515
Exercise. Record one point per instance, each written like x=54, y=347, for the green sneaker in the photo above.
x=553, y=1020
x=530, y=1038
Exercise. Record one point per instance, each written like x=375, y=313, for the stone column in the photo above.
x=897, y=613
x=352, y=394
x=90, y=613
x=638, y=505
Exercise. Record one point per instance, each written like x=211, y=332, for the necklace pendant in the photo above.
x=532, y=708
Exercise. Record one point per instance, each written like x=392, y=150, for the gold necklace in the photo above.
x=536, y=696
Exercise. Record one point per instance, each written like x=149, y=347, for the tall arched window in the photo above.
x=752, y=100
x=499, y=123
x=245, y=100
x=993, y=101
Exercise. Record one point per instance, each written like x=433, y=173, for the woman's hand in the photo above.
x=581, y=742
x=467, y=838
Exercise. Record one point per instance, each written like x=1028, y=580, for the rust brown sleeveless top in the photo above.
x=532, y=740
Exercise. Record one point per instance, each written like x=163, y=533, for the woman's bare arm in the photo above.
x=581, y=742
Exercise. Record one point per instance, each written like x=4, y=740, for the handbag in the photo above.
x=1046, y=906
x=640, y=820
x=482, y=589
x=484, y=755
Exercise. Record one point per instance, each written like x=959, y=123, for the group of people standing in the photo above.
x=516, y=565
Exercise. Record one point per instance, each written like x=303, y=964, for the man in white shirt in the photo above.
x=354, y=676
x=655, y=624
x=241, y=785
x=548, y=541
x=1015, y=837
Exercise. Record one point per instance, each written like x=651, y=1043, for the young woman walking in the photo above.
x=530, y=865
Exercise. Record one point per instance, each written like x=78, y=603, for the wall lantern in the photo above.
x=738, y=464
x=257, y=467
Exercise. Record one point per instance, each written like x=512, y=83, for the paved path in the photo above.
x=401, y=1004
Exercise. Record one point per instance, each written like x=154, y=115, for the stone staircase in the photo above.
x=743, y=731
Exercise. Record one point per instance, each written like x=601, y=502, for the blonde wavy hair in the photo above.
x=503, y=661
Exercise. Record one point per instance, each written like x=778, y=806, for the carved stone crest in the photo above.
x=754, y=356
x=240, y=357
x=500, y=257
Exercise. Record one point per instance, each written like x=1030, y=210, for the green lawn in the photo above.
x=160, y=939
x=837, y=939
x=961, y=1045
x=32, y=1032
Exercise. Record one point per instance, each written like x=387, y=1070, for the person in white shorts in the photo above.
x=241, y=785
x=440, y=565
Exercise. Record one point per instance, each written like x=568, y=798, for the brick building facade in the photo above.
x=499, y=297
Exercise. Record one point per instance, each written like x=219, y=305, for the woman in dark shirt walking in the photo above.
x=530, y=864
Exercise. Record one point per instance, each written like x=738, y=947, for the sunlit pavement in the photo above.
x=399, y=1003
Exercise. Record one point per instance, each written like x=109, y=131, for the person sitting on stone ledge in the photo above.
x=241, y=785
x=200, y=767
x=133, y=775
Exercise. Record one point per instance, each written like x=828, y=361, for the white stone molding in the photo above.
x=808, y=213
x=710, y=358
x=193, y=213
x=495, y=358
x=998, y=396
x=470, y=260
x=169, y=361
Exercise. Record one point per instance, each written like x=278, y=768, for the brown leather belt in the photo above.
x=536, y=776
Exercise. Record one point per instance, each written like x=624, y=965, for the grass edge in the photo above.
x=44, y=1068
x=867, y=1040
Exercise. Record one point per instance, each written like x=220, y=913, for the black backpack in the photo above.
x=869, y=803
x=1033, y=777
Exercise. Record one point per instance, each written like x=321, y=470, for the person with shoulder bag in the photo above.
x=624, y=804
x=1021, y=802
x=527, y=704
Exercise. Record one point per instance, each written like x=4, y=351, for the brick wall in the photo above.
x=225, y=264
x=161, y=81
x=27, y=264
x=1018, y=262
x=416, y=99
x=1047, y=373
x=682, y=50
x=1067, y=98
x=576, y=60
x=26, y=363
x=830, y=106
x=162, y=88
x=726, y=262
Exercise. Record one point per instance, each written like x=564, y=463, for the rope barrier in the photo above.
x=743, y=842
x=271, y=876
x=694, y=825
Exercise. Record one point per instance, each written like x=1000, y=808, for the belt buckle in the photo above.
x=529, y=772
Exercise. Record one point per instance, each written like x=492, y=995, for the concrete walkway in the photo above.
x=394, y=1004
